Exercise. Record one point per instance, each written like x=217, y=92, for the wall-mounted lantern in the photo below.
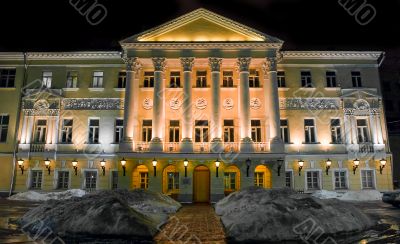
x=155, y=167
x=21, y=165
x=217, y=163
x=328, y=166
x=75, y=165
x=356, y=163
x=47, y=164
x=123, y=162
x=185, y=163
x=301, y=164
x=382, y=166
x=280, y=164
x=103, y=166
x=248, y=164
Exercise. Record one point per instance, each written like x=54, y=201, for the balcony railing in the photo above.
x=37, y=147
x=366, y=147
x=201, y=147
x=142, y=146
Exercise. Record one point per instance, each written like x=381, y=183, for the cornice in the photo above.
x=11, y=56
x=204, y=45
x=331, y=55
x=73, y=55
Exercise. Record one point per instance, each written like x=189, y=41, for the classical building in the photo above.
x=196, y=108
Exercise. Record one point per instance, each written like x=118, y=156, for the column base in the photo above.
x=186, y=145
x=156, y=145
x=276, y=145
x=247, y=145
x=216, y=145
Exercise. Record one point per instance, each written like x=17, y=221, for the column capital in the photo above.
x=270, y=64
x=132, y=64
x=187, y=64
x=159, y=64
x=244, y=64
x=215, y=64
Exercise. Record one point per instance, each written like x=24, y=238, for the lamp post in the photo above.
x=75, y=166
x=356, y=162
x=155, y=167
x=382, y=166
x=21, y=165
x=248, y=164
x=47, y=164
x=103, y=166
x=217, y=163
x=185, y=163
x=123, y=162
x=328, y=166
x=301, y=164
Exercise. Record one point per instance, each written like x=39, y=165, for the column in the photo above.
x=187, y=123
x=372, y=122
x=347, y=128
x=23, y=131
x=216, y=126
x=158, y=105
x=246, y=144
x=379, y=129
x=353, y=129
x=50, y=131
x=29, y=130
x=56, y=129
x=272, y=98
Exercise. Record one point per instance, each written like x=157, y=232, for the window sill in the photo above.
x=201, y=88
x=174, y=89
x=311, y=143
x=7, y=88
x=96, y=89
x=228, y=88
x=146, y=88
x=70, y=89
x=332, y=88
x=92, y=143
x=283, y=89
x=119, y=89
x=256, y=88
x=308, y=88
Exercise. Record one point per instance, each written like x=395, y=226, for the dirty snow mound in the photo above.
x=38, y=197
x=324, y=194
x=260, y=215
x=365, y=195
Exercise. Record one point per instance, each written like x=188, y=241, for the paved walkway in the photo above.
x=195, y=223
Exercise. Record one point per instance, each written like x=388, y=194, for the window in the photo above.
x=281, y=79
x=356, y=78
x=229, y=131
x=201, y=131
x=362, y=131
x=148, y=80
x=331, y=79
x=122, y=79
x=230, y=181
x=4, y=121
x=367, y=177
x=254, y=78
x=90, y=180
x=259, y=179
x=309, y=130
x=288, y=179
x=227, y=80
x=66, y=132
x=201, y=79
x=285, y=130
x=174, y=131
x=341, y=179
x=173, y=181
x=146, y=130
x=98, y=77
x=94, y=127
x=72, y=79
x=40, y=131
x=63, y=180
x=175, y=79
x=119, y=130
x=306, y=79
x=336, y=132
x=114, y=180
x=47, y=77
x=144, y=180
x=313, y=180
x=256, y=130
x=36, y=179
x=7, y=78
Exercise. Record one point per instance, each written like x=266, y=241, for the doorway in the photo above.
x=201, y=185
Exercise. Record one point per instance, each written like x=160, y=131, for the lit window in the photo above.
x=7, y=78
x=47, y=77
x=173, y=181
x=98, y=77
x=309, y=130
x=230, y=181
x=362, y=131
x=72, y=79
x=306, y=79
x=259, y=179
x=336, y=131
x=144, y=180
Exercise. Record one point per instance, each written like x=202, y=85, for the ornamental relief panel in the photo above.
x=147, y=103
x=228, y=103
x=93, y=104
x=41, y=107
x=309, y=103
x=175, y=103
x=255, y=103
x=201, y=103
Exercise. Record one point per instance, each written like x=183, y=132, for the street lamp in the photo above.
x=123, y=162
x=47, y=163
x=383, y=164
x=21, y=165
x=217, y=163
x=356, y=162
x=301, y=164
x=328, y=166
x=75, y=166
x=103, y=166
x=248, y=163
x=185, y=163
x=155, y=166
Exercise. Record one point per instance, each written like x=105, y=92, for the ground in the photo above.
x=201, y=221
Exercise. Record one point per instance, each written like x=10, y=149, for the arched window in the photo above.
x=231, y=179
x=140, y=177
x=262, y=176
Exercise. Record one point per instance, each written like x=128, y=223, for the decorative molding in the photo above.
x=215, y=64
x=72, y=55
x=255, y=103
x=159, y=64
x=309, y=103
x=187, y=64
x=147, y=103
x=175, y=103
x=132, y=64
x=201, y=103
x=244, y=64
x=41, y=107
x=197, y=46
x=93, y=104
x=331, y=55
x=270, y=65
x=228, y=103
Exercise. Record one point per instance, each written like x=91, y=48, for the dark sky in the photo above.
x=54, y=25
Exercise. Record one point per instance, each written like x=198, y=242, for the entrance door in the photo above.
x=201, y=185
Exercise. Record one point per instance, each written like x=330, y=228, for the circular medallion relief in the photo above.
x=255, y=103
x=228, y=103
x=41, y=105
x=147, y=103
x=361, y=104
x=175, y=103
x=201, y=103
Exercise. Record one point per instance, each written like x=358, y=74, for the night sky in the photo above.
x=54, y=25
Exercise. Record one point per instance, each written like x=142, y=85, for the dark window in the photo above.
x=7, y=78
x=256, y=130
x=148, y=80
x=36, y=179
x=175, y=80
x=94, y=131
x=356, y=78
x=72, y=79
x=331, y=79
x=4, y=121
x=285, y=131
x=201, y=79
x=119, y=130
x=114, y=180
x=306, y=79
x=90, y=180
x=254, y=78
x=288, y=179
x=122, y=79
x=63, y=180
x=66, y=133
x=227, y=80
x=201, y=131
x=281, y=79
x=147, y=130
x=229, y=131
x=174, y=131
x=336, y=131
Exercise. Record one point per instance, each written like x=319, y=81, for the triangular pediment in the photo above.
x=359, y=94
x=202, y=26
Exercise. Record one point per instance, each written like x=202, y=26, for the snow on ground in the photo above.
x=37, y=196
x=258, y=215
x=364, y=195
x=137, y=214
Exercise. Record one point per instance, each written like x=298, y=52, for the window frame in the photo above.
x=43, y=135
x=174, y=133
x=95, y=138
x=201, y=80
x=282, y=128
x=47, y=78
x=202, y=128
x=59, y=172
x=8, y=78
x=97, y=80
x=257, y=130
x=334, y=132
x=373, y=174
x=4, y=127
x=148, y=79
x=118, y=130
x=306, y=80
x=356, y=79
x=72, y=80
x=147, y=131
x=70, y=130
x=334, y=171
x=175, y=80
x=281, y=79
x=227, y=79
x=319, y=180
x=254, y=78
x=307, y=128
x=122, y=79
x=228, y=131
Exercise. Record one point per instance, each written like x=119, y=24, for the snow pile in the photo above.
x=38, y=197
x=258, y=215
x=358, y=196
x=107, y=213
